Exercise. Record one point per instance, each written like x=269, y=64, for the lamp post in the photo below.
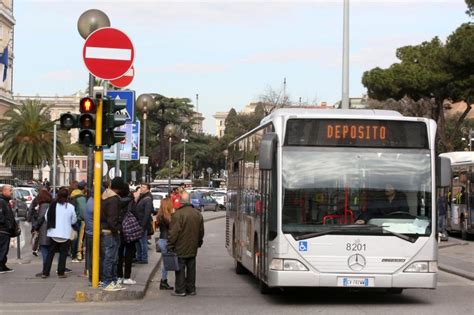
x=184, y=140
x=226, y=154
x=145, y=102
x=170, y=130
x=88, y=22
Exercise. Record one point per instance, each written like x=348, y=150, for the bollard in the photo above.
x=18, y=249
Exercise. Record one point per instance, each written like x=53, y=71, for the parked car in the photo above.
x=157, y=197
x=19, y=203
x=203, y=201
x=28, y=193
x=220, y=197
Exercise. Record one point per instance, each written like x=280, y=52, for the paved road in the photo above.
x=221, y=291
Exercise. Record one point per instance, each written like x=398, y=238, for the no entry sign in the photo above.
x=108, y=53
x=124, y=80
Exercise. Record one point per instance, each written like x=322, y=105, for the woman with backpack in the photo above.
x=128, y=240
x=164, y=219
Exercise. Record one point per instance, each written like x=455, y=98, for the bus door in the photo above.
x=458, y=198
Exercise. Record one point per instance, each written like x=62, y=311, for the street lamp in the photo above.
x=184, y=140
x=170, y=130
x=226, y=154
x=145, y=102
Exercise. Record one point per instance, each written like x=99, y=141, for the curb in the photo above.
x=457, y=271
x=97, y=295
x=451, y=245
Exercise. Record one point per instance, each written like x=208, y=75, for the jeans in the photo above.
x=125, y=256
x=186, y=276
x=4, y=248
x=89, y=256
x=442, y=224
x=109, y=245
x=163, y=243
x=63, y=249
x=142, y=248
x=44, y=253
x=76, y=245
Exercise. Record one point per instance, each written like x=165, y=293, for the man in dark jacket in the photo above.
x=185, y=236
x=7, y=224
x=144, y=211
x=110, y=227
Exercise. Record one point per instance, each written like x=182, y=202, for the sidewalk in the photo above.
x=22, y=286
x=457, y=257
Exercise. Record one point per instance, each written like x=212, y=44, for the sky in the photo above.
x=228, y=52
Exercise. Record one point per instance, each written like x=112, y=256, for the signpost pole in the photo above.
x=97, y=195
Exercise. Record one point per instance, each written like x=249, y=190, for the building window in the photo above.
x=220, y=122
x=84, y=164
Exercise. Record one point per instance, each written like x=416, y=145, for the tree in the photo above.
x=272, y=99
x=27, y=133
x=470, y=7
x=431, y=71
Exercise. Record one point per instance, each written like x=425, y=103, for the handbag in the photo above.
x=73, y=236
x=16, y=230
x=170, y=261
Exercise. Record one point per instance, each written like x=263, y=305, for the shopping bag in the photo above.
x=170, y=261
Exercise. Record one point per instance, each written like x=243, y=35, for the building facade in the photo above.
x=58, y=105
x=7, y=23
x=220, y=123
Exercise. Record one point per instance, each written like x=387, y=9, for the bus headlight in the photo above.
x=422, y=266
x=287, y=265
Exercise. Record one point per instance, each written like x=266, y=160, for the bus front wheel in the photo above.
x=239, y=268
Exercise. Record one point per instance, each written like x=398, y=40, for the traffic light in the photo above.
x=68, y=120
x=112, y=119
x=87, y=107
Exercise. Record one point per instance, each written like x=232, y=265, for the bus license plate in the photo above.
x=355, y=282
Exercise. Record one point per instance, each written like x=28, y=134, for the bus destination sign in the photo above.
x=356, y=133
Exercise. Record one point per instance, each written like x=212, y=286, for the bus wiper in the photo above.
x=402, y=236
x=314, y=234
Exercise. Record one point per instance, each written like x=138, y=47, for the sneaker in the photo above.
x=6, y=269
x=178, y=294
x=110, y=287
x=44, y=276
x=75, y=260
x=35, y=253
x=129, y=281
x=62, y=276
x=191, y=293
x=66, y=270
x=119, y=286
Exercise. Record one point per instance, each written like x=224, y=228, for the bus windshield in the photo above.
x=356, y=191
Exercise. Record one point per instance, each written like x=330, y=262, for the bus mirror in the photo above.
x=443, y=172
x=267, y=151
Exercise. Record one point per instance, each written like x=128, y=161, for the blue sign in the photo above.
x=303, y=246
x=129, y=96
x=136, y=141
x=129, y=148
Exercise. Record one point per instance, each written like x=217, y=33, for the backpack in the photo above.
x=131, y=229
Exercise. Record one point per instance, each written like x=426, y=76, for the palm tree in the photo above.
x=27, y=133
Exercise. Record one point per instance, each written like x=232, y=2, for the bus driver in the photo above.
x=393, y=202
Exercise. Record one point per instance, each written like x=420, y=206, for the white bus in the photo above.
x=460, y=210
x=335, y=198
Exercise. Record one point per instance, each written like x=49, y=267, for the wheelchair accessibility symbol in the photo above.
x=303, y=246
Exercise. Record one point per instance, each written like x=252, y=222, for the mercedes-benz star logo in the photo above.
x=356, y=262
